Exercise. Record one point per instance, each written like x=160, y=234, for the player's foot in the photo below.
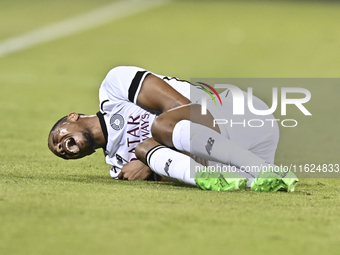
x=220, y=181
x=274, y=180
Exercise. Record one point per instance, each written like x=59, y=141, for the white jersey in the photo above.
x=125, y=124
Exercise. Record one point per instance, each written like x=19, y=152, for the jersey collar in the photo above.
x=103, y=126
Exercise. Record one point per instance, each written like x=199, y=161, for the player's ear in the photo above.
x=73, y=116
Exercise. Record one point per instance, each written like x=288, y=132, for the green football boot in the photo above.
x=274, y=179
x=218, y=181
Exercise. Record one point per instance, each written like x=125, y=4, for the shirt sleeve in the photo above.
x=124, y=83
x=114, y=172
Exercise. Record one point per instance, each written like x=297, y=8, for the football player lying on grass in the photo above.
x=151, y=123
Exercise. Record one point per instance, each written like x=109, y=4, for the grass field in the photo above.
x=52, y=206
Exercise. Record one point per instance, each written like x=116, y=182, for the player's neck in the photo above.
x=93, y=124
x=98, y=135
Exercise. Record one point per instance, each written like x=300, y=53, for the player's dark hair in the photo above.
x=61, y=121
x=58, y=122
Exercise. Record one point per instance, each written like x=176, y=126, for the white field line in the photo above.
x=71, y=26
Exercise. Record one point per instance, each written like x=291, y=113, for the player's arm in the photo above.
x=157, y=95
x=137, y=170
x=141, y=87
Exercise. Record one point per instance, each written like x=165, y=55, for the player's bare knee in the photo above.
x=140, y=151
x=142, y=148
x=161, y=130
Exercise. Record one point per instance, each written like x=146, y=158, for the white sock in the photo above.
x=171, y=164
x=181, y=135
x=206, y=143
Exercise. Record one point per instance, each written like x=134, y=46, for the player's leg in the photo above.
x=179, y=167
x=209, y=144
x=185, y=129
x=174, y=129
x=165, y=161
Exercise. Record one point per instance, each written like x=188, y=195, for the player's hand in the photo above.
x=135, y=170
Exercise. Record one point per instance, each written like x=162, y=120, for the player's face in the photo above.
x=71, y=141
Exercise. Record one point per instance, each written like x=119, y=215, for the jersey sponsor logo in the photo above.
x=209, y=145
x=167, y=165
x=117, y=121
x=138, y=130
